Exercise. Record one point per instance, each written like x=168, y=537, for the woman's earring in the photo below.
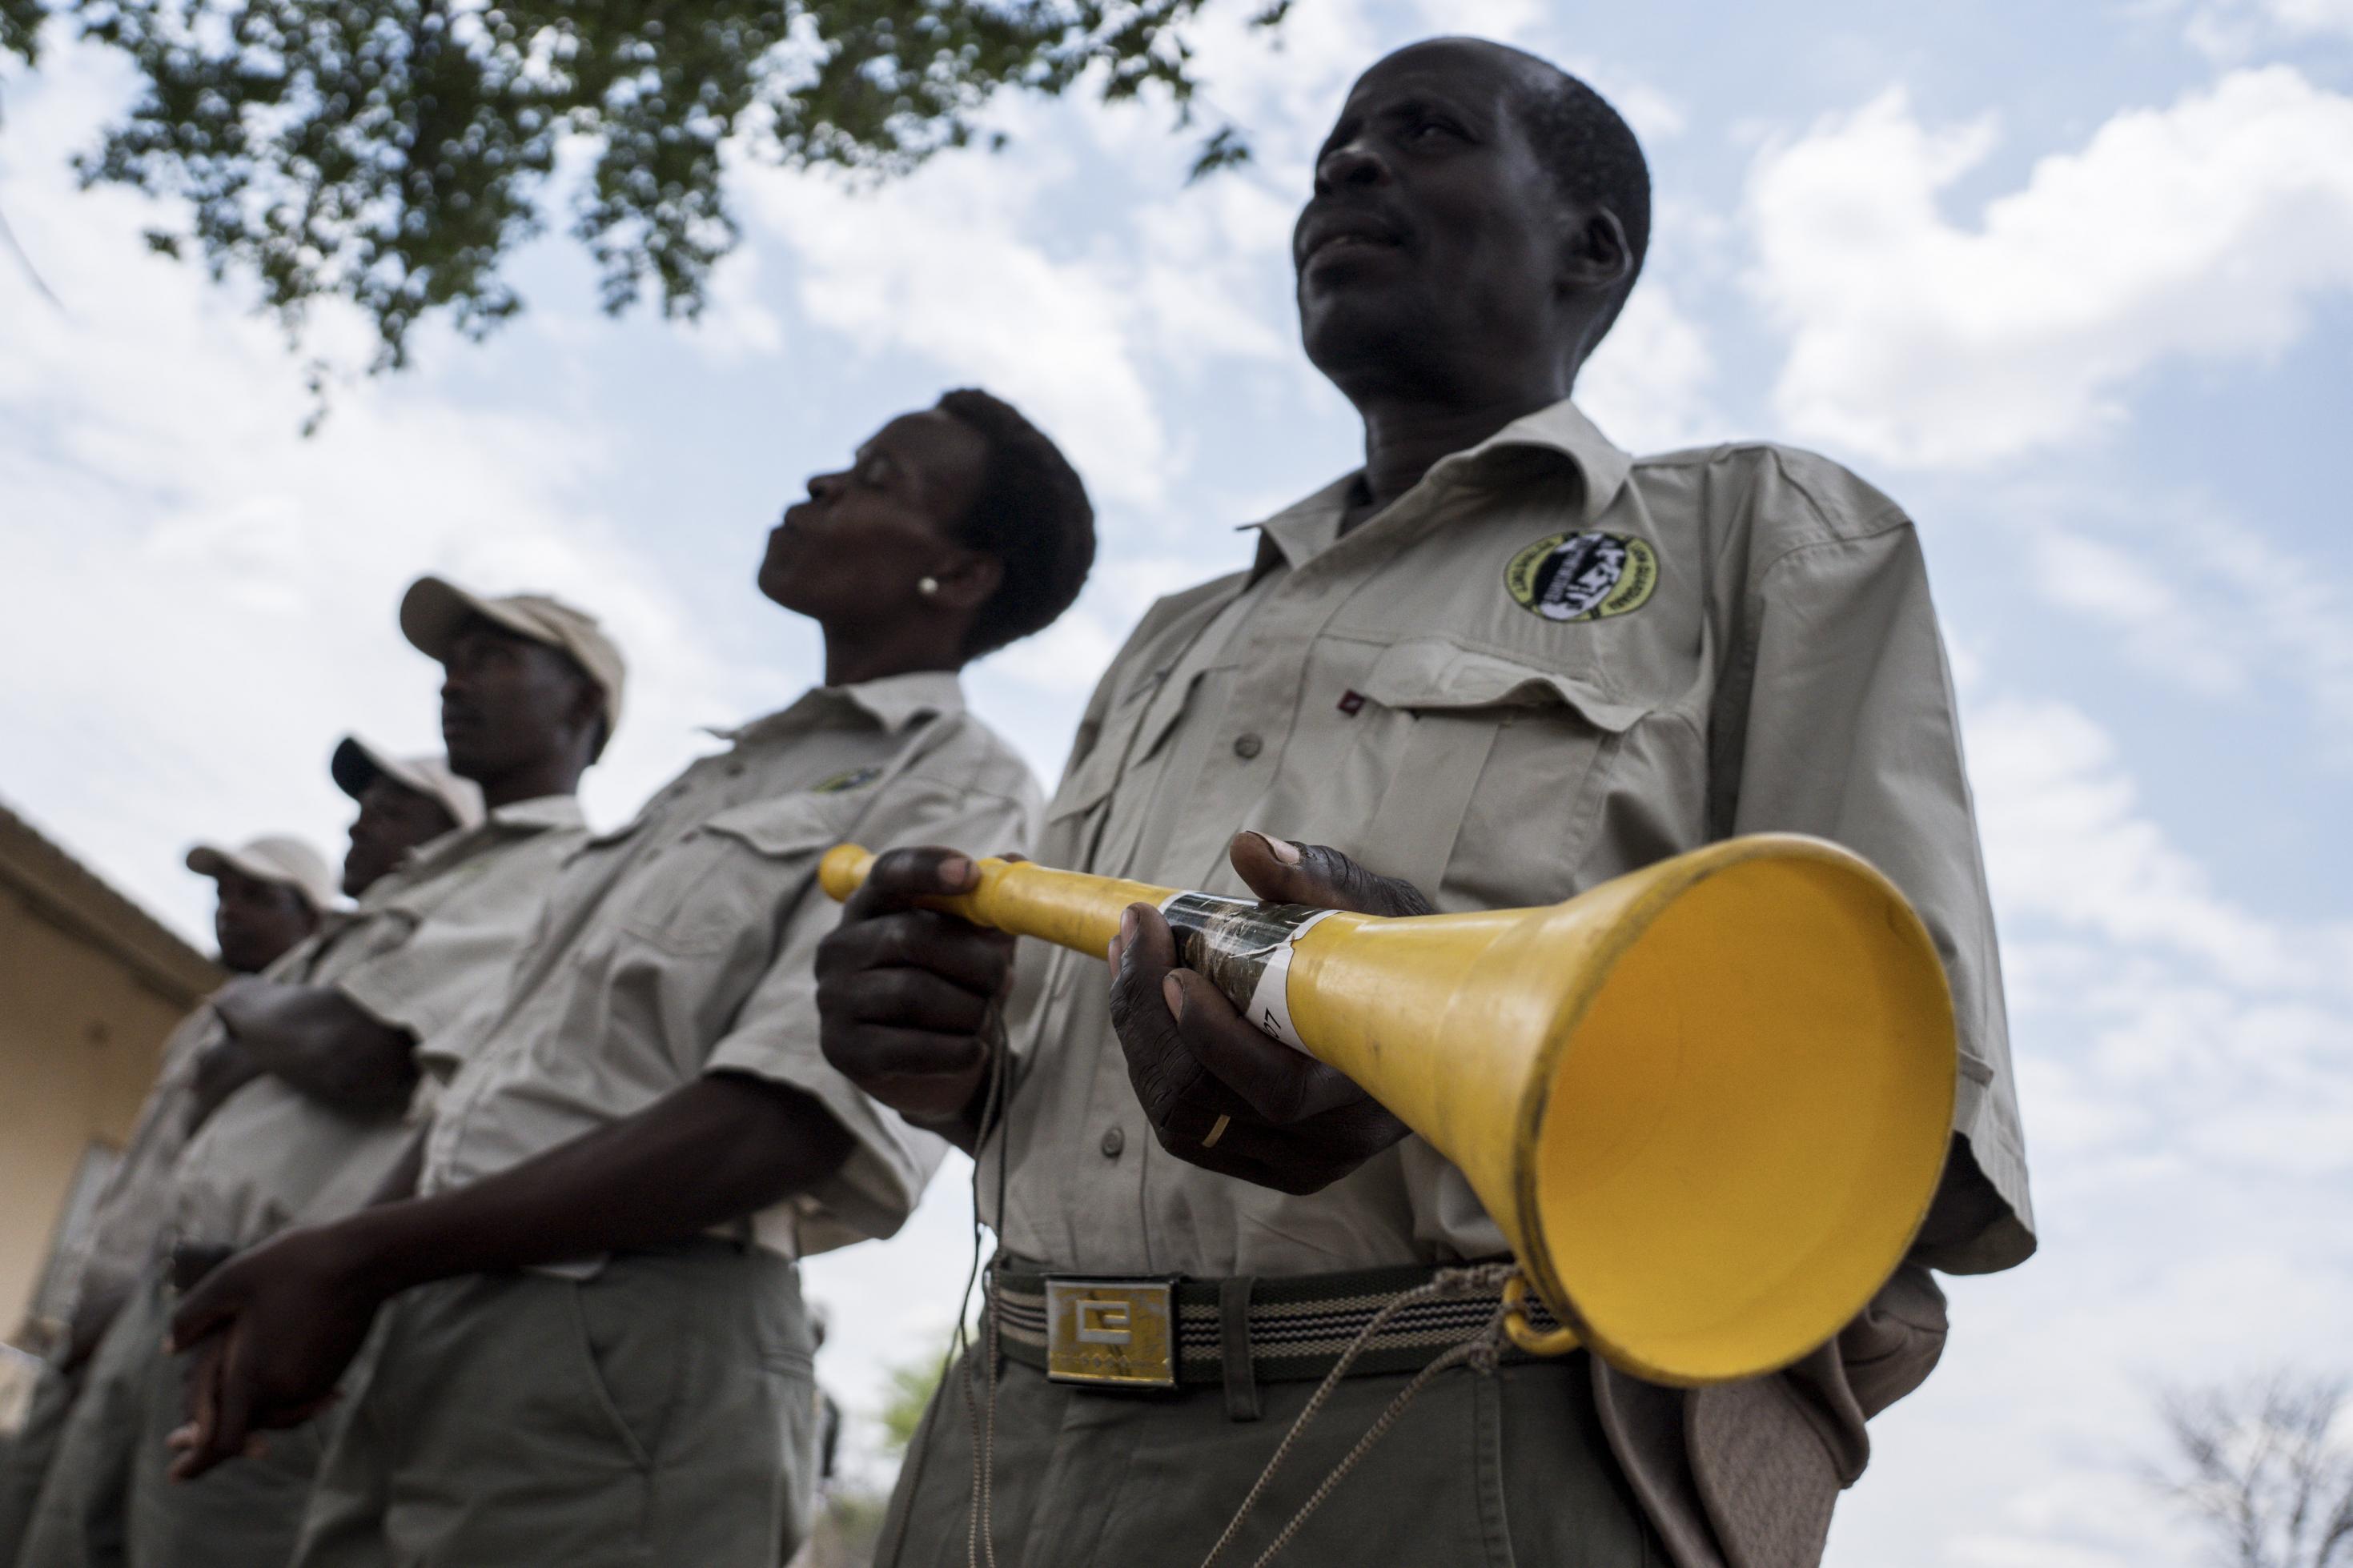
x=927, y=586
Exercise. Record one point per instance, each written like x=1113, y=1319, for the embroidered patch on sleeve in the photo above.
x=1584, y=577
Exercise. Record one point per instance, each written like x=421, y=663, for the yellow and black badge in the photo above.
x=1586, y=576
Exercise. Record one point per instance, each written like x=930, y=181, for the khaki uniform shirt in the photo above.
x=684, y=944
x=1740, y=641
x=136, y=1202
x=1546, y=665
x=429, y=942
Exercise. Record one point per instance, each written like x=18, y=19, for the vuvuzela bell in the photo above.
x=1708, y=1102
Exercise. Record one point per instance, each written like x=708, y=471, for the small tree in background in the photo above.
x=912, y=1383
x=396, y=152
x=2264, y=1465
x=850, y=1515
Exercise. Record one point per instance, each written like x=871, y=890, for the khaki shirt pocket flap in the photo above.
x=1432, y=674
x=779, y=829
x=1139, y=720
x=1084, y=786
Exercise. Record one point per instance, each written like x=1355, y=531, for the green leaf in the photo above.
x=1225, y=148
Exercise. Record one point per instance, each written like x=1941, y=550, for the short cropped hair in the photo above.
x=1593, y=157
x=1032, y=514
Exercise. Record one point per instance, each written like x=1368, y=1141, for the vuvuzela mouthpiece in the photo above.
x=1708, y=1102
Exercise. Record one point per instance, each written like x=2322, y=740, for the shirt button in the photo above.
x=1113, y=1140
x=1248, y=746
x=735, y=770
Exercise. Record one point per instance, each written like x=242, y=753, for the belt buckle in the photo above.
x=1111, y=1332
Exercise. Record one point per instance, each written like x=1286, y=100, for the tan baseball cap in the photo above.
x=434, y=608
x=272, y=857
x=357, y=764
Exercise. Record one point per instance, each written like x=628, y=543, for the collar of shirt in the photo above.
x=1300, y=533
x=894, y=701
x=537, y=814
x=546, y=811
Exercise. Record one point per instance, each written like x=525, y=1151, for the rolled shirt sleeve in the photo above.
x=775, y=1036
x=1850, y=732
x=684, y=944
x=438, y=974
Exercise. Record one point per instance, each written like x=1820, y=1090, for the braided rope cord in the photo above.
x=1480, y=1350
x=979, y=1540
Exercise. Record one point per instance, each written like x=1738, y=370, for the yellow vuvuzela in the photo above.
x=1708, y=1102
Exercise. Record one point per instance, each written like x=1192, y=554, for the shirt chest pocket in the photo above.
x=724, y=881
x=1133, y=735
x=1492, y=773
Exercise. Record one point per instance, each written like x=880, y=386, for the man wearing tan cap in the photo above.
x=470, y=633
x=332, y=1039
x=272, y=892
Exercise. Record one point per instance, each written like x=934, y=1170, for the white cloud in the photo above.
x=2149, y=570
x=2121, y=589
x=2231, y=30
x=198, y=601
x=2186, y=1072
x=2313, y=16
x=2068, y=842
x=1646, y=385
x=2202, y=230
x=942, y=265
x=736, y=323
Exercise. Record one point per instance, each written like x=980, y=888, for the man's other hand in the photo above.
x=1289, y=1121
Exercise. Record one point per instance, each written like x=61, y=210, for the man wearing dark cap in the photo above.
x=1501, y=663
x=272, y=892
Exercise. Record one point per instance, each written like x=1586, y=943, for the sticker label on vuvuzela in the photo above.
x=1245, y=950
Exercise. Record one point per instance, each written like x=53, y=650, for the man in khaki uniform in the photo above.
x=1503, y=663
x=643, y=1137
x=326, y=1043
x=273, y=890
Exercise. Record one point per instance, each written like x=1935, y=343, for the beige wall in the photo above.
x=79, y=1033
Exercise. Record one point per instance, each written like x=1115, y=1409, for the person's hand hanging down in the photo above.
x=274, y=1329
x=1219, y=1093
x=277, y=1325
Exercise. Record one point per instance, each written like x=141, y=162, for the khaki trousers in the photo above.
x=24, y=1462
x=1498, y=1468
x=77, y=1519
x=243, y=1514
x=106, y=1501
x=660, y=1413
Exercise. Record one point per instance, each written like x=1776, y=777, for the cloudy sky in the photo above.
x=2073, y=282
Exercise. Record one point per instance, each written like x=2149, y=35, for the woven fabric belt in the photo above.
x=1295, y=1327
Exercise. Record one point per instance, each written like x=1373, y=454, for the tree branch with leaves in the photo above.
x=396, y=153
